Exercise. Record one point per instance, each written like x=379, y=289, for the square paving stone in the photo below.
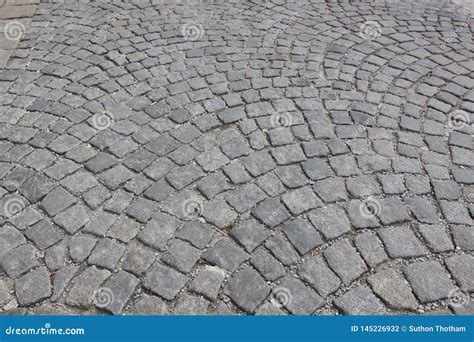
x=448, y=190
x=258, y=163
x=344, y=165
x=10, y=238
x=301, y=200
x=43, y=234
x=360, y=214
x=165, y=282
x=293, y=294
x=267, y=265
x=250, y=234
x=159, y=191
x=393, y=288
x=331, y=221
x=208, y=282
x=36, y=188
x=463, y=237
x=291, y=176
x=317, y=169
x=218, y=213
x=139, y=160
x=245, y=197
x=423, y=209
x=19, y=261
x=100, y=163
x=271, y=212
x=236, y=147
x=85, y=286
x=187, y=304
x=196, y=233
x=120, y=201
x=79, y=182
x=392, y=184
x=418, y=185
x=212, y=159
x=55, y=257
x=271, y=184
x=429, y=280
x=81, y=246
x=72, y=219
x=436, y=238
x=331, y=189
x=360, y=301
x=142, y=209
x=247, y=289
x=302, y=235
x=362, y=186
x=159, y=168
x=149, y=305
x=96, y=196
x=162, y=145
x=99, y=223
x=455, y=213
x=401, y=242
x=116, y=292
x=115, y=177
x=319, y=276
x=230, y=115
x=62, y=278
x=282, y=250
x=371, y=249
x=461, y=268
x=124, y=229
x=392, y=211
x=57, y=200
x=226, y=255
x=345, y=261
x=33, y=287
x=214, y=185
x=184, y=176
x=107, y=254
x=138, y=260
x=288, y=154
x=235, y=171
x=28, y=217
x=181, y=256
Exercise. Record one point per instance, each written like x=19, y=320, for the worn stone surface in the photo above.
x=226, y=255
x=208, y=282
x=315, y=144
x=248, y=289
x=429, y=280
x=165, y=282
x=33, y=287
x=319, y=276
x=392, y=287
x=85, y=285
x=360, y=301
x=116, y=292
x=460, y=267
x=343, y=258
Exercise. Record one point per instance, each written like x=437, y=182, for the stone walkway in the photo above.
x=15, y=18
x=239, y=157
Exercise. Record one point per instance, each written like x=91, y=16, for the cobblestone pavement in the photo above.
x=239, y=157
x=15, y=17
